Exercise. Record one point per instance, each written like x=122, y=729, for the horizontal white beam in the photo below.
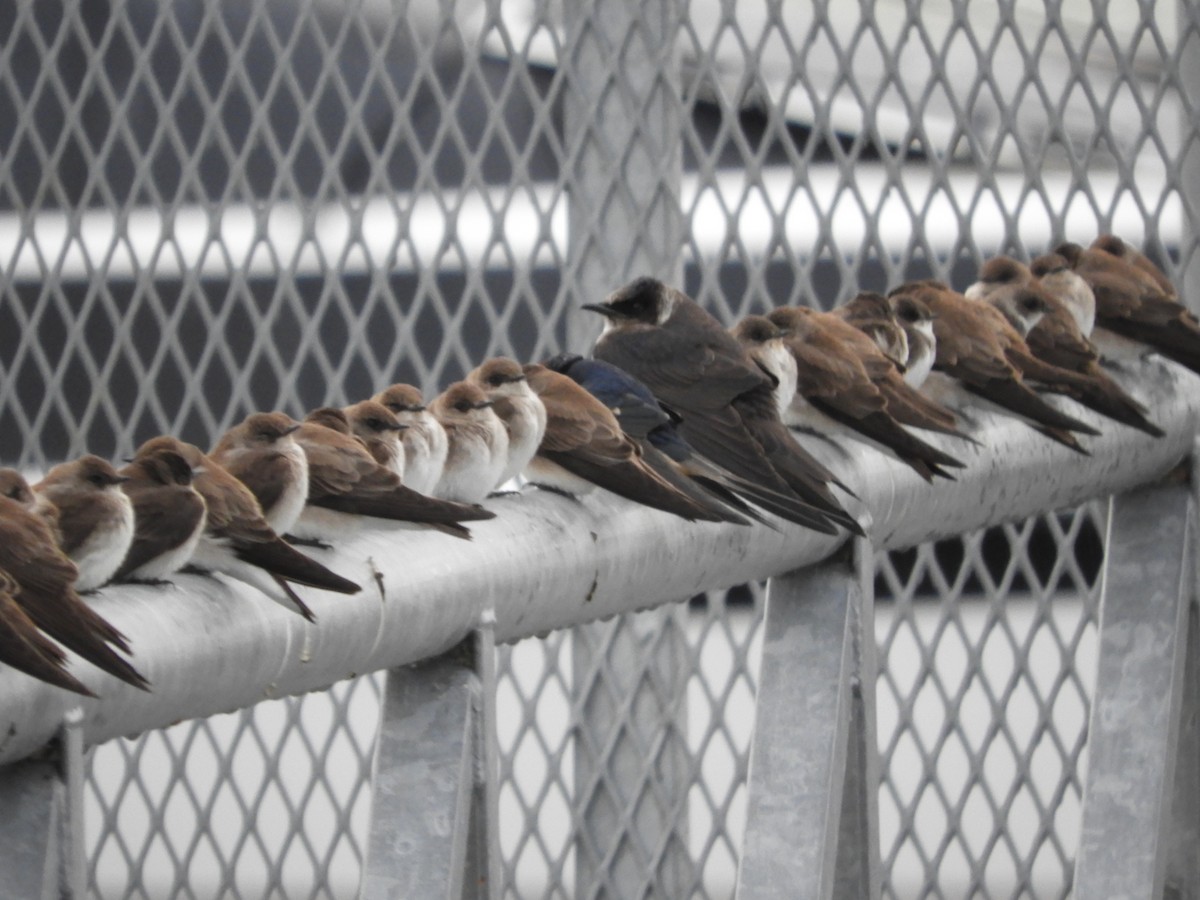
x=506, y=228
x=548, y=562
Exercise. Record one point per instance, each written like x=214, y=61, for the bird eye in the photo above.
x=462, y=406
x=375, y=424
x=98, y=480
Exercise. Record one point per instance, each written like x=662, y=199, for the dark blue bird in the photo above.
x=647, y=421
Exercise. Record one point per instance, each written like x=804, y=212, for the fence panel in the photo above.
x=208, y=208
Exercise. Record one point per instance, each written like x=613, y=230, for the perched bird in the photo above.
x=763, y=341
x=239, y=542
x=917, y=321
x=664, y=449
x=871, y=314
x=1052, y=335
x=833, y=382
x=425, y=442
x=26, y=649
x=94, y=517
x=1131, y=303
x=584, y=447
x=973, y=346
x=521, y=410
x=344, y=478
x=14, y=486
x=905, y=404
x=169, y=515
x=29, y=554
x=1113, y=245
x=262, y=453
x=726, y=402
x=1059, y=280
x=379, y=429
x=478, y=443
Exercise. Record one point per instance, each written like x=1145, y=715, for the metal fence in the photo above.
x=209, y=208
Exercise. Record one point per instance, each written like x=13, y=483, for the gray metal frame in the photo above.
x=434, y=819
x=211, y=207
x=812, y=824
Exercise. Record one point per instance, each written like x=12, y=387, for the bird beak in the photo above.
x=119, y=479
x=291, y=429
x=129, y=459
x=601, y=308
x=198, y=470
x=484, y=404
x=517, y=378
x=399, y=426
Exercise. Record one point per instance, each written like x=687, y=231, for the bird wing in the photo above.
x=164, y=518
x=703, y=370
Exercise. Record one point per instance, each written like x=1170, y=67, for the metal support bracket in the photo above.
x=1140, y=803
x=812, y=819
x=42, y=853
x=434, y=805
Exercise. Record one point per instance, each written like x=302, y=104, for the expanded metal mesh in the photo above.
x=213, y=207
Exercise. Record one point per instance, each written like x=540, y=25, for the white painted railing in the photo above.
x=546, y=562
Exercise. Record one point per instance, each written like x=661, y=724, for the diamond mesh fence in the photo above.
x=208, y=208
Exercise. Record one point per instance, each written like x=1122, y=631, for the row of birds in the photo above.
x=673, y=412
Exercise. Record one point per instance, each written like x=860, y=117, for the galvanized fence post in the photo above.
x=1188, y=39
x=1139, y=832
x=812, y=826
x=434, y=804
x=42, y=850
x=624, y=134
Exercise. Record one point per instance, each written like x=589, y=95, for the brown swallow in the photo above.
x=584, y=447
x=425, y=442
x=1113, y=245
x=343, y=477
x=974, y=346
x=14, y=486
x=94, y=517
x=1059, y=280
x=239, y=542
x=833, y=380
x=871, y=314
x=478, y=443
x=1053, y=337
x=1130, y=303
x=906, y=404
x=1000, y=273
x=262, y=454
x=917, y=321
x=26, y=649
x=725, y=401
x=524, y=416
x=169, y=516
x=379, y=429
x=46, y=577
